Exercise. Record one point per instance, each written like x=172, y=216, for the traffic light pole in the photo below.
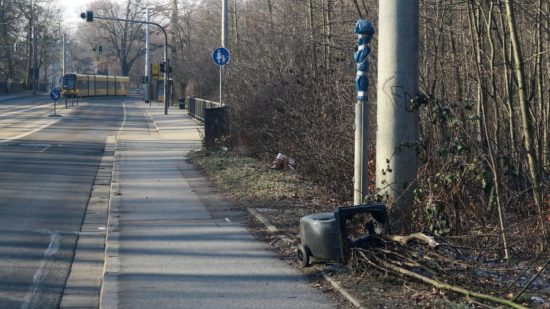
x=165, y=84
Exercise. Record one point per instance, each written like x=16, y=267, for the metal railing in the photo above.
x=197, y=107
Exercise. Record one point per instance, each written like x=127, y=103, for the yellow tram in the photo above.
x=85, y=85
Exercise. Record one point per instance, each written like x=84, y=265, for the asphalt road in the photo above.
x=47, y=168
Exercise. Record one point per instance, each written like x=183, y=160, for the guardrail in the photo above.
x=197, y=107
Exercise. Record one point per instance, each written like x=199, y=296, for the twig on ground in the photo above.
x=531, y=281
x=380, y=263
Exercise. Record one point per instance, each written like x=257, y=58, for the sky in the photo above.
x=72, y=9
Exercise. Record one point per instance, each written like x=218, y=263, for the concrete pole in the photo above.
x=396, y=160
x=64, y=53
x=147, y=94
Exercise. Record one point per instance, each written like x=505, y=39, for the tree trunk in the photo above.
x=508, y=93
x=475, y=33
x=236, y=27
x=10, y=61
x=29, y=58
x=327, y=27
x=312, y=32
x=357, y=8
x=270, y=10
x=527, y=121
x=543, y=153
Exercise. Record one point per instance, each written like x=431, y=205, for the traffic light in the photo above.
x=154, y=70
x=164, y=68
x=88, y=15
x=98, y=49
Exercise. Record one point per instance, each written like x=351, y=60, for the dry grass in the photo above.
x=252, y=183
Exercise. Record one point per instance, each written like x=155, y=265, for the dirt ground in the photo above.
x=283, y=197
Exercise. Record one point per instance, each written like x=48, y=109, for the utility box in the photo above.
x=216, y=124
x=320, y=238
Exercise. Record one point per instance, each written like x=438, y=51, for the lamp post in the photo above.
x=64, y=53
x=89, y=16
x=147, y=93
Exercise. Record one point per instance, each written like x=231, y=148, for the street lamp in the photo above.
x=33, y=46
x=89, y=16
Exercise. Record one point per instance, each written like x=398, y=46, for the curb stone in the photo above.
x=111, y=270
x=84, y=281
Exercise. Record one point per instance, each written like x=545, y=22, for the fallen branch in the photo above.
x=403, y=240
x=532, y=279
x=441, y=285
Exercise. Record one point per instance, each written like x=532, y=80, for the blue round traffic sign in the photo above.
x=55, y=94
x=221, y=56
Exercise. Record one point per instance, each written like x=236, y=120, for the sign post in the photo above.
x=221, y=56
x=55, y=95
x=364, y=30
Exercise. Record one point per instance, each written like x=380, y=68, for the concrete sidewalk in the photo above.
x=173, y=242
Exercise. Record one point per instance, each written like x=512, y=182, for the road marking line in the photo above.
x=52, y=249
x=123, y=119
x=37, y=129
x=71, y=233
x=30, y=132
x=24, y=110
x=35, y=145
x=81, y=233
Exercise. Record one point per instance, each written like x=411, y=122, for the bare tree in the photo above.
x=527, y=121
x=484, y=129
x=122, y=39
x=9, y=23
